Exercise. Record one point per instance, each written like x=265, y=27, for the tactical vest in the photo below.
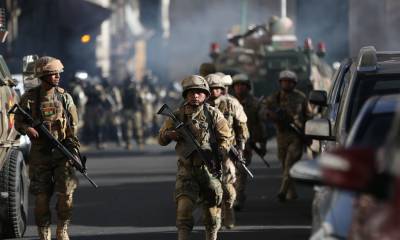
x=49, y=109
x=199, y=126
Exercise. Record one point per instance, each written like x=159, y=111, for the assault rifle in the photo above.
x=258, y=151
x=191, y=144
x=76, y=160
x=281, y=119
x=238, y=158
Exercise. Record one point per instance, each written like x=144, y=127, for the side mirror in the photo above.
x=319, y=98
x=319, y=129
x=307, y=171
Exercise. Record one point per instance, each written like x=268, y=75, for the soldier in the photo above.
x=98, y=107
x=237, y=119
x=258, y=136
x=194, y=179
x=288, y=109
x=49, y=171
x=79, y=96
x=133, y=101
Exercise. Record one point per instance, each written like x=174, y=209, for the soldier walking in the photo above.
x=132, y=114
x=288, y=109
x=49, y=171
x=194, y=179
x=242, y=91
x=237, y=119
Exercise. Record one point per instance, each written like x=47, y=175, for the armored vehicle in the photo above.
x=265, y=50
x=13, y=172
x=13, y=151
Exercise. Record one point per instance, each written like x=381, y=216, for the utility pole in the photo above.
x=283, y=8
x=243, y=15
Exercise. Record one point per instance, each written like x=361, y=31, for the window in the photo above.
x=368, y=86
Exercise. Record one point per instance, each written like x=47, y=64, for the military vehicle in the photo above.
x=14, y=148
x=265, y=50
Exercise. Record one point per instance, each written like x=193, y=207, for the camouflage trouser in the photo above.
x=50, y=173
x=133, y=127
x=229, y=195
x=290, y=150
x=229, y=178
x=192, y=185
x=241, y=178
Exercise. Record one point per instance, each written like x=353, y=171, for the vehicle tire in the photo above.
x=15, y=182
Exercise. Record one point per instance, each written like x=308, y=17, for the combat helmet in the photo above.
x=241, y=78
x=226, y=79
x=214, y=81
x=47, y=65
x=207, y=68
x=287, y=74
x=194, y=82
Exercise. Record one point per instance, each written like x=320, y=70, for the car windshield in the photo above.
x=374, y=130
x=368, y=86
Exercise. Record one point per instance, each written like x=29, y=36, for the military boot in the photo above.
x=62, y=231
x=211, y=235
x=44, y=233
x=229, y=218
x=183, y=234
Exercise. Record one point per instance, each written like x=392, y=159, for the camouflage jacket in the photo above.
x=196, y=120
x=291, y=107
x=58, y=113
x=257, y=129
x=236, y=117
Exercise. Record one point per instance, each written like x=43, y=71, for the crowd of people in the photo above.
x=226, y=129
x=120, y=113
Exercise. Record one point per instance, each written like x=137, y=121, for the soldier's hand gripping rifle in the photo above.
x=281, y=117
x=191, y=143
x=238, y=158
x=77, y=161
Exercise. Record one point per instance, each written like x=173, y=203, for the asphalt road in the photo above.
x=135, y=200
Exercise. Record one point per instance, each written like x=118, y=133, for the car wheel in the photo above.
x=15, y=182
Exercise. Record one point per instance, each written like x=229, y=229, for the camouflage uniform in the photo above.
x=237, y=121
x=133, y=114
x=292, y=108
x=193, y=178
x=258, y=134
x=49, y=171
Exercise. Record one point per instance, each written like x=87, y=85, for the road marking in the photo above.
x=81, y=230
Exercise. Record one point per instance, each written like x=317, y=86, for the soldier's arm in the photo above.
x=265, y=108
x=240, y=126
x=223, y=135
x=260, y=133
x=303, y=115
x=168, y=125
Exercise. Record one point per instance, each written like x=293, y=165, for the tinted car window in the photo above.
x=368, y=86
x=374, y=130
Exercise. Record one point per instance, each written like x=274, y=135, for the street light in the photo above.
x=85, y=38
